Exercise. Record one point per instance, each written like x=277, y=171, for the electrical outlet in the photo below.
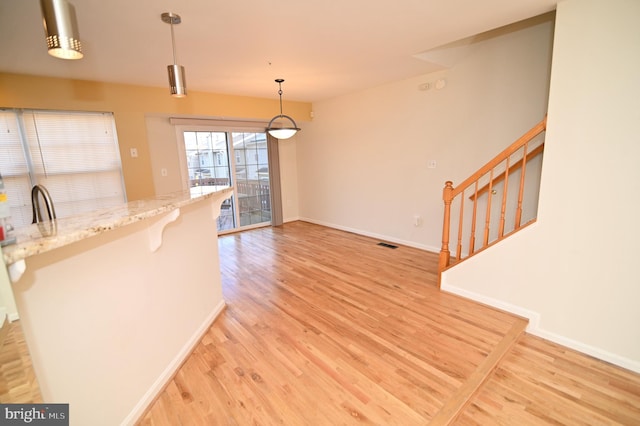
x=134, y=152
x=164, y=172
x=432, y=164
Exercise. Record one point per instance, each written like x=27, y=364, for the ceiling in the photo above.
x=322, y=48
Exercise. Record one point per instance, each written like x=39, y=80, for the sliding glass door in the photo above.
x=238, y=158
x=252, y=178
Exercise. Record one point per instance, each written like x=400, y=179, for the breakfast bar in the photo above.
x=112, y=302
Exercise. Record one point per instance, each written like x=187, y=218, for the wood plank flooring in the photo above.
x=325, y=327
x=18, y=384
x=540, y=382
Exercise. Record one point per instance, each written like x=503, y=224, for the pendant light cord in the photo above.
x=280, y=94
x=44, y=165
x=173, y=44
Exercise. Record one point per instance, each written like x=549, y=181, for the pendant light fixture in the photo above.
x=282, y=132
x=61, y=29
x=177, y=79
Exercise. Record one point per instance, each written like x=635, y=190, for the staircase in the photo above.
x=494, y=202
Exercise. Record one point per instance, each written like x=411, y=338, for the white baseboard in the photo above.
x=534, y=328
x=385, y=238
x=158, y=386
x=11, y=316
x=533, y=317
x=601, y=354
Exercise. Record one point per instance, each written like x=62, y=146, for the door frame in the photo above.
x=227, y=127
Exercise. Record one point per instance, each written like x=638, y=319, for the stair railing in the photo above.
x=493, y=174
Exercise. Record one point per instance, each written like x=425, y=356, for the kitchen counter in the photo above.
x=111, y=303
x=45, y=236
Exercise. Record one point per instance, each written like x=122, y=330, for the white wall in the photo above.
x=289, y=178
x=163, y=150
x=362, y=161
x=575, y=272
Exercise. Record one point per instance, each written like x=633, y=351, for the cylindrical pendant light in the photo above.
x=177, y=81
x=177, y=77
x=61, y=29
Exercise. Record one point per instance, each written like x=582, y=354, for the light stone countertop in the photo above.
x=45, y=236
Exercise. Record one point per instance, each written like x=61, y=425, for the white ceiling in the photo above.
x=321, y=48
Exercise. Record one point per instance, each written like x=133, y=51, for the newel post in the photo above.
x=447, y=193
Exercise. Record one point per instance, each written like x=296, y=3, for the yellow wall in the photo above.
x=129, y=105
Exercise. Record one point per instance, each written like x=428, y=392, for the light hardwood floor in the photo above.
x=18, y=384
x=325, y=327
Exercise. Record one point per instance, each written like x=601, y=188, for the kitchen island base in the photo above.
x=110, y=318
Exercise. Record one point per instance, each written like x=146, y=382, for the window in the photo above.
x=252, y=178
x=74, y=155
x=242, y=155
x=208, y=152
x=251, y=204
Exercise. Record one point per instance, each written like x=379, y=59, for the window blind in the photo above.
x=74, y=155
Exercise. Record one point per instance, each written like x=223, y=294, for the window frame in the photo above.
x=230, y=127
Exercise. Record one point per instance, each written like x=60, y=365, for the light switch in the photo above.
x=432, y=164
x=134, y=152
x=164, y=172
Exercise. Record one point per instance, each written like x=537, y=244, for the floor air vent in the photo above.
x=388, y=245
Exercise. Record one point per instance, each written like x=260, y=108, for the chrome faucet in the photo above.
x=35, y=203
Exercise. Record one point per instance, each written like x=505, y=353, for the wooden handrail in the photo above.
x=450, y=192
x=518, y=164
x=535, y=131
